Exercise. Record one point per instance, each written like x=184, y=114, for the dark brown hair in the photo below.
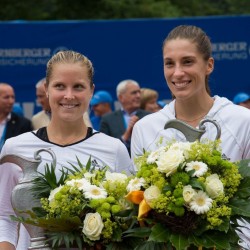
x=195, y=35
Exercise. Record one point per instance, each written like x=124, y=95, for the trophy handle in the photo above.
x=192, y=134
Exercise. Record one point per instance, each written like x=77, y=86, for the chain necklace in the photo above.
x=196, y=119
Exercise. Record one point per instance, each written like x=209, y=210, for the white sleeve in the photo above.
x=136, y=142
x=24, y=239
x=9, y=176
x=123, y=162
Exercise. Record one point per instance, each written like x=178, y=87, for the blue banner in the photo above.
x=119, y=50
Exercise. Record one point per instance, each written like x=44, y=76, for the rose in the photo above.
x=92, y=226
x=169, y=161
x=151, y=194
x=183, y=146
x=188, y=193
x=214, y=186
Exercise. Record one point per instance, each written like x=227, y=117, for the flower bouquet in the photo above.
x=85, y=208
x=189, y=196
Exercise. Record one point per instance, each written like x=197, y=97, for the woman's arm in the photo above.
x=6, y=246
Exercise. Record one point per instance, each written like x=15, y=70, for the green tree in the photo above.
x=117, y=9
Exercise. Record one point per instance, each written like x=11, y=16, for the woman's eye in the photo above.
x=79, y=87
x=59, y=86
x=188, y=61
x=168, y=63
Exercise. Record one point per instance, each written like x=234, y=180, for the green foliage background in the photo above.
x=117, y=9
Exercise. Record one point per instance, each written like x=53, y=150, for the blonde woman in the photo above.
x=149, y=99
x=69, y=88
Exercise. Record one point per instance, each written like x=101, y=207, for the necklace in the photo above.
x=193, y=120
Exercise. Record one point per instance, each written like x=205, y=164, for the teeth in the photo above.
x=68, y=106
x=180, y=84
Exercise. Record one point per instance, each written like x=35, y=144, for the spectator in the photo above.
x=120, y=123
x=149, y=100
x=11, y=124
x=69, y=87
x=242, y=99
x=101, y=103
x=188, y=63
x=42, y=118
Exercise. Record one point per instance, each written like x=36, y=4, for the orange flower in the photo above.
x=137, y=197
x=144, y=208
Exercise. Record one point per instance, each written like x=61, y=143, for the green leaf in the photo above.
x=239, y=206
x=197, y=240
x=179, y=241
x=217, y=239
x=159, y=233
x=140, y=232
x=244, y=167
x=167, y=188
x=191, y=172
x=88, y=165
x=128, y=243
x=65, y=224
x=66, y=240
x=44, y=183
x=117, y=235
x=151, y=245
x=244, y=188
x=197, y=184
x=39, y=212
x=224, y=226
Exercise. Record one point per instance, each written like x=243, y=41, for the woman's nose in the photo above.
x=69, y=95
x=178, y=70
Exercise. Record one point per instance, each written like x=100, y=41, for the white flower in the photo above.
x=81, y=184
x=169, y=161
x=116, y=177
x=88, y=175
x=92, y=226
x=54, y=192
x=153, y=156
x=199, y=167
x=214, y=186
x=94, y=192
x=183, y=146
x=124, y=204
x=151, y=194
x=200, y=203
x=136, y=184
x=188, y=193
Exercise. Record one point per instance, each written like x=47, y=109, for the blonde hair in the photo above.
x=147, y=95
x=69, y=56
